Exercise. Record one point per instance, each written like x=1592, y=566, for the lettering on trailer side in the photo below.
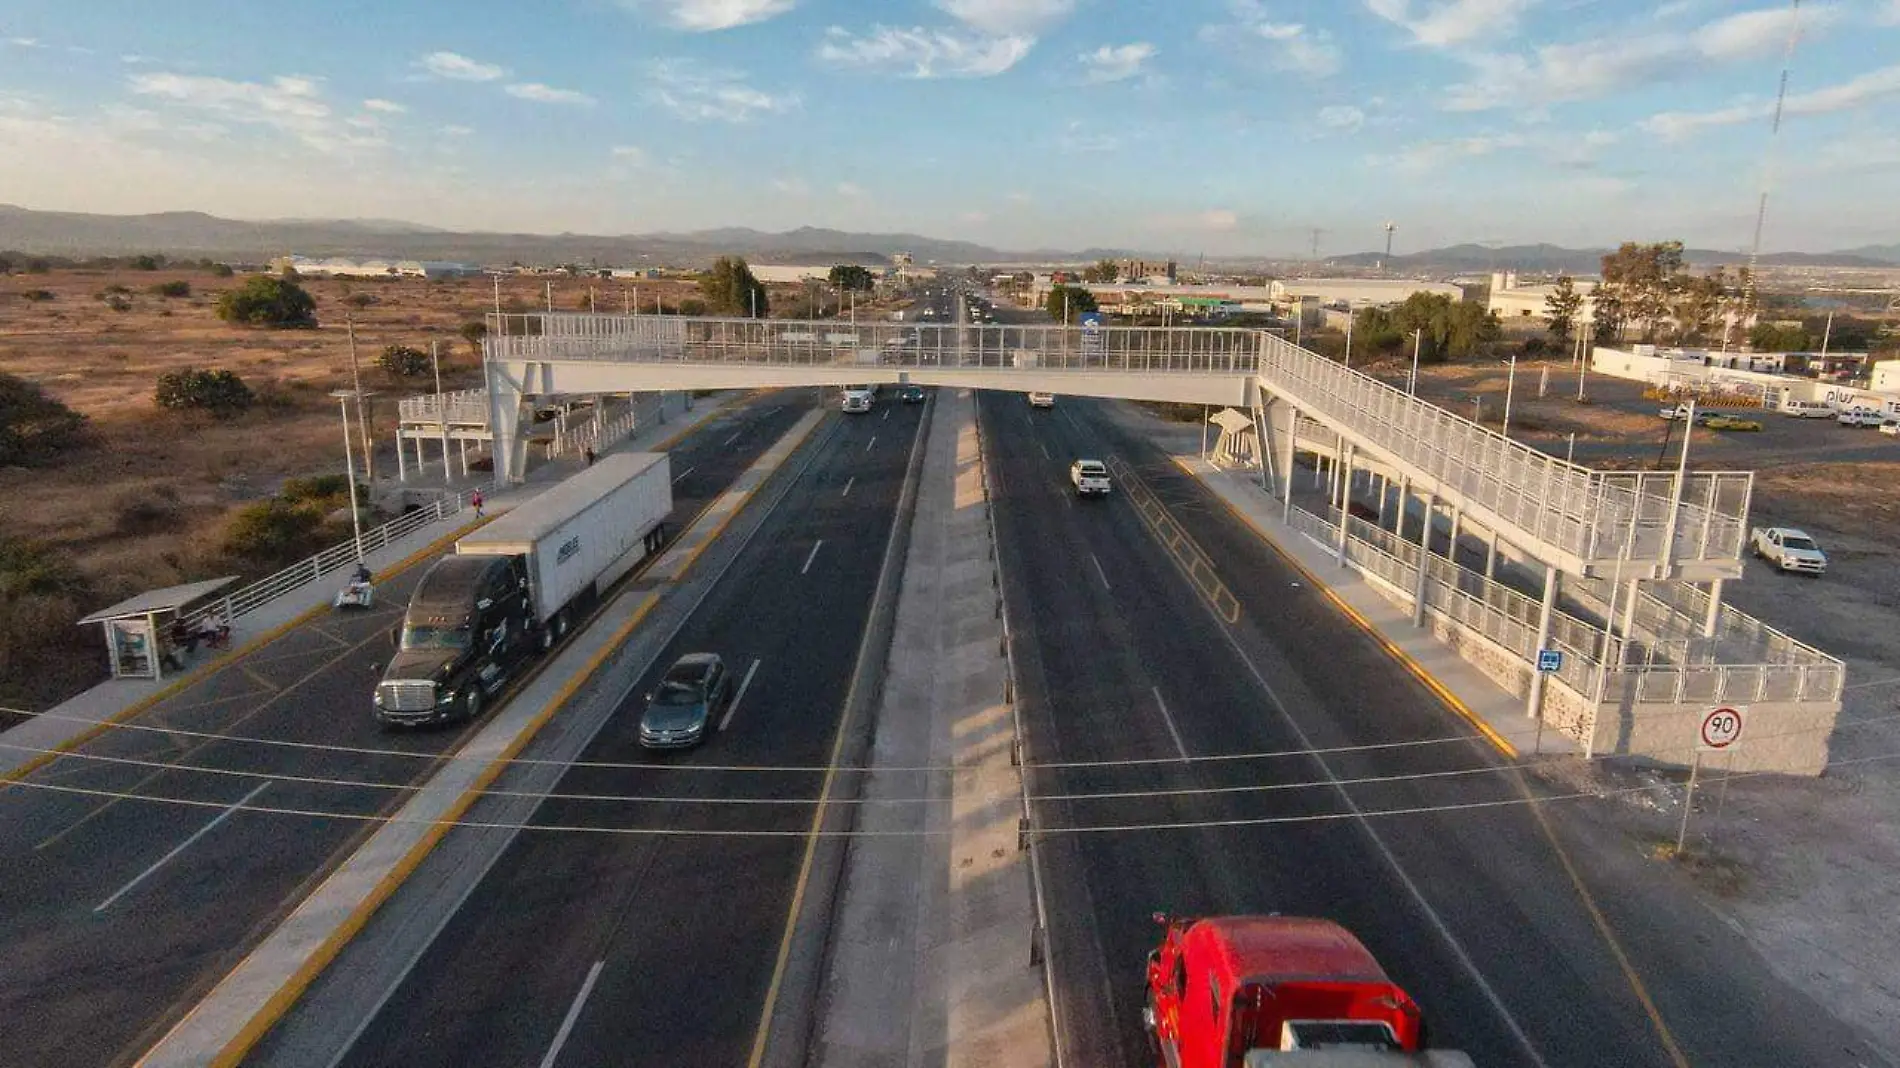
x=567, y=551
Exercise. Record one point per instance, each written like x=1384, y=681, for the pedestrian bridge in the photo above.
x=1630, y=525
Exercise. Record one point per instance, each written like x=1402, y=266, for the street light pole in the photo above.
x=1510, y=388
x=349, y=467
x=1349, y=337
x=1418, y=342
x=441, y=414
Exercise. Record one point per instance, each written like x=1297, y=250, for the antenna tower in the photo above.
x=1768, y=159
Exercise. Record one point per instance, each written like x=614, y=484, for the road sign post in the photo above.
x=1720, y=730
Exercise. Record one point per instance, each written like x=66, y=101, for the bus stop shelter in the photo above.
x=137, y=629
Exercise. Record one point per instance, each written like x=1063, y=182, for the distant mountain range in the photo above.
x=196, y=234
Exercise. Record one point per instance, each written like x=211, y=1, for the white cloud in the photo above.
x=25, y=42
x=923, y=53
x=974, y=217
x=457, y=131
x=1077, y=137
x=1603, y=66
x=1428, y=155
x=387, y=107
x=1890, y=16
x=1285, y=46
x=460, y=68
x=1450, y=22
x=1218, y=220
x=628, y=153
x=1008, y=18
x=290, y=104
x=702, y=16
x=793, y=187
x=701, y=94
x=1343, y=117
x=1874, y=85
x=1757, y=33
x=1114, y=63
x=850, y=189
x=546, y=94
x=1017, y=197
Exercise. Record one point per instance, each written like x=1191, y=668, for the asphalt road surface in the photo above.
x=1480, y=912
x=116, y=915
x=587, y=948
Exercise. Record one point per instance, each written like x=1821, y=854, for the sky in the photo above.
x=1216, y=127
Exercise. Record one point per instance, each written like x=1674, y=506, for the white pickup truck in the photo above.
x=1789, y=550
x=1090, y=478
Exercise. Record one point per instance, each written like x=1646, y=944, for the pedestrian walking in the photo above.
x=589, y=453
x=475, y=499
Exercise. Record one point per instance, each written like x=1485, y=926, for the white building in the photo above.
x=337, y=267
x=1360, y=292
x=1514, y=301
x=1759, y=374
x=790, y=273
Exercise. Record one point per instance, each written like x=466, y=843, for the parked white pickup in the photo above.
x=1789, y=550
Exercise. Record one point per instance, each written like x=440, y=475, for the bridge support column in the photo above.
x=1286, y=484
x=1491, y=554
x=1534, y=706
x=402, y=460
x=508, y=447
x=1404, y=505
x=1346, y=468
x=1714, y=615
x=1457, y=518
x=1430, y=501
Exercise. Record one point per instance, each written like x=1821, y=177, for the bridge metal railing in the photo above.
x=1593, y=515
x=462, y=407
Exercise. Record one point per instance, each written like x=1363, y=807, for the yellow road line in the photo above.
x=1391, y=649
x=1597, y=918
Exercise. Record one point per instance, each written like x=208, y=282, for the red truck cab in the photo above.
x=1220, y=987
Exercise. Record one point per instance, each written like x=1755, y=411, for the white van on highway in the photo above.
x=857, y=400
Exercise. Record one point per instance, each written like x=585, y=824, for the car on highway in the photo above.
x=911, y=394
x=685, y=707
x=1042, y=400
x=1090, y=478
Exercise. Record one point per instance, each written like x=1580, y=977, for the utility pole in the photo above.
x=1418, y=341
x=1349, y=336
x=441, y=412
x=362, y=420
x=1510, y=388
x=550, y=294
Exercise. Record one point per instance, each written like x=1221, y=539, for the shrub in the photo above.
x=359, y=300
x=404, y=361
x=40, y=595
x=38, y=295
x=221, y=270
x=147, y=263
x=267, y=301
x=33, y=425
x=273, y=532
x=219, y=392
x=174, y=288
x=473, y=332
x=328, y=492
x=148, y=511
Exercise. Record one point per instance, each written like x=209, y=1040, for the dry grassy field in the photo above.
x=144, y=504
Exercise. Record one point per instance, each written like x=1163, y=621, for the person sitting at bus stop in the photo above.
x=214, y=631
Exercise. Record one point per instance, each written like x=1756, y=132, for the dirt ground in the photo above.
x=1808, y=869
x=143, y=505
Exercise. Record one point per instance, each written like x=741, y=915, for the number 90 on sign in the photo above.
x=1721, y=729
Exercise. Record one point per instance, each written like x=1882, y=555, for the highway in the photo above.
x=116, y=915
x=586, y=948
x=1481, y=913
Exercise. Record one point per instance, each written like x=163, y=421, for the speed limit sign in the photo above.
x=1721, y=729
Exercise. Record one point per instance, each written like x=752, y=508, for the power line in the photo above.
x=1354, y=813
x=1081, y=796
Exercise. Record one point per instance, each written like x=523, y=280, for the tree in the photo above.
x=147, y=262
x=175, y=288
x=852, y=276
x=1065, y=303
x=1645, y=281
x=1699, y=302
x=730, y=289
x=1780, y=337
x=267, y=301
x=404, y=361
x=1561, y=308
x=33, y=425
x=1450, y=329
x=221, y=270
x=219, y=392
x=473, y=332
x=1102, y=271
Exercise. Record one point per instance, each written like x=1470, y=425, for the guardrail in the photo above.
x=337, y=557
x=1592, y=515
x=1019, y=750
x=462, y=407
x=1650, y=671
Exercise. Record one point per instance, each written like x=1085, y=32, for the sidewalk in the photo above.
x=72, y=721
x=930, y=949
x=1498, y=715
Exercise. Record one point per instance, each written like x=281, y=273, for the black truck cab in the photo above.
x=469, y=623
